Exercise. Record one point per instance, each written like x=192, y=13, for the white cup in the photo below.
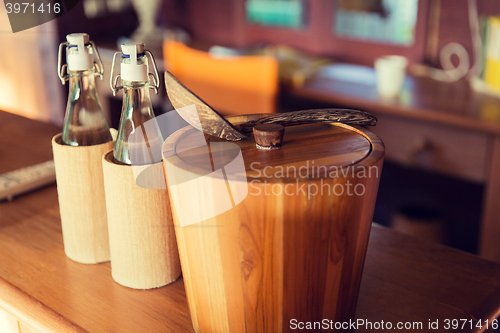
x=391, y=71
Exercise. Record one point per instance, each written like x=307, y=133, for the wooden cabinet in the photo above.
x=437, y=126
x=435, y=147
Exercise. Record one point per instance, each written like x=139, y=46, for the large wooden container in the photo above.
x=293, y=249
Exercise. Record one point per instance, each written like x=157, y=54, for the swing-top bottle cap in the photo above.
x=73, y=39
x=130, y=48
x=79, y=59
x=134, y=69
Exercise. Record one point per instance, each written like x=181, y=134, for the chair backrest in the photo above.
x=231, y=85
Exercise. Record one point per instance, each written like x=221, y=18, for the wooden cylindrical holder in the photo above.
x=293, y=241
x=80, y=188
x=141, y=232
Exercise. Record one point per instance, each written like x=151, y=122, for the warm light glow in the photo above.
x=28, y=72
x=8, y=323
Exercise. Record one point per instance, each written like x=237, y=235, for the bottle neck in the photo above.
x=136, y=97
x=137, y=107
x=83, y=81
x=139, y=138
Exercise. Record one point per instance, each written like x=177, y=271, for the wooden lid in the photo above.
x=313, y=149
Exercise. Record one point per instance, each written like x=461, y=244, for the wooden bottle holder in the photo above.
x=80, y=188
x=141, y=232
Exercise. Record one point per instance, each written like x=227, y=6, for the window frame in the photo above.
x=319, y=38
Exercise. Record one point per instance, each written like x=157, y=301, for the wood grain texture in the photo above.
x=301, y=253
x=141, y=233
x=81, y=200
x=15, y=151
x=490, y=229
x=51, y=293
x=403, y=279
x=40, y=285
x=34, y=314
x=434, y=272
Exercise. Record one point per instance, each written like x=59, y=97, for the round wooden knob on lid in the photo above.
x=268, y=136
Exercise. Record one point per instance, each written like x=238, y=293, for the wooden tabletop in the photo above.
x=421, y=98
x=405, y=280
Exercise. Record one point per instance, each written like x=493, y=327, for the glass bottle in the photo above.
x=139, y=137
x=84, y=122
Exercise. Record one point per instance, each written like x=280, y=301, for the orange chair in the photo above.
x=234, y=85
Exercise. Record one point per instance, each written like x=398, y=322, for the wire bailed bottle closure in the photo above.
x=134, y=67
x=80, y=53
x=84, y=122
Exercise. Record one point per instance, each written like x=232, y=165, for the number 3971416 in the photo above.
x=26, y=7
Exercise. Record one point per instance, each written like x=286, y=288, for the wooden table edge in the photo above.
x=32, y=312
x=395, y=109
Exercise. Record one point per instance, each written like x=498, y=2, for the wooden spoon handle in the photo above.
x=345, y=116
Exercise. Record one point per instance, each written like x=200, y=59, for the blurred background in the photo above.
x=441, y=178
